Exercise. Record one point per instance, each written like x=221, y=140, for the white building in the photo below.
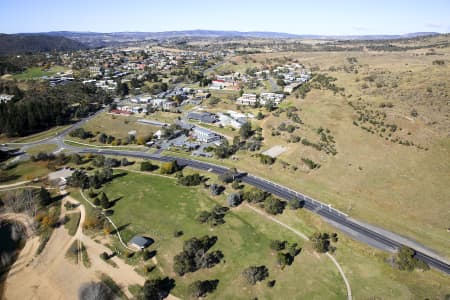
x=247, y=99
x=226, y=120
x=274, y=97
x=205, y=135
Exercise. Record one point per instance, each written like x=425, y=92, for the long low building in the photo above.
x=205, y=135
x=247, y=99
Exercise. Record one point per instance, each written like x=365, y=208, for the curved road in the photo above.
x=371, y=235
x=337, y=218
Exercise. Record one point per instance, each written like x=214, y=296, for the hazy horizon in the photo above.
x=301, y=18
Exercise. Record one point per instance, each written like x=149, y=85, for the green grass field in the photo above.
x=37, y=73
x=117, y=126
x=26, y=170
x=47, y=148
x=157, y=207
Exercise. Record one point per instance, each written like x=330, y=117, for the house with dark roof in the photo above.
x=140, y=242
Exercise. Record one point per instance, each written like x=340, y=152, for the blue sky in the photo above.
x=292, y=16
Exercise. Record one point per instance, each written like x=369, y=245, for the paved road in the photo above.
x=356, y=229
x=273, y=84
x=368, y=234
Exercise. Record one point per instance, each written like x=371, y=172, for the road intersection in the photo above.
x=369, y=234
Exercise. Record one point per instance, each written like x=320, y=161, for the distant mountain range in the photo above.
x=73, y=40
x=11, y=44
x=223, y=33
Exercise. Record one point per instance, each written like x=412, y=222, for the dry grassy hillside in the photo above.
x=390, y=128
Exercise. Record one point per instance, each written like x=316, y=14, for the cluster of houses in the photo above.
x=227, y=82
x=293, y=76
x=143, y=107
x=226, y=119
x=162, y=101
x=263, y=99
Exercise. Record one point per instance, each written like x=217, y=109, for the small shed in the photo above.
x=140, y=242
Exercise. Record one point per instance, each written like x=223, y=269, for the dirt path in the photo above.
x=52, y=276
x=124, y=274
x=47, y=276
x=303, y=236
x=5, y=186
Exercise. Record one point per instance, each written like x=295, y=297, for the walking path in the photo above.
x=303, y=236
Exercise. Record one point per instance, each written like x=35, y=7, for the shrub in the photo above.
x=178, y=233
x=190, y=180
x=148, y=166
x=234, y=199
x=266, y=159
x=199, y=289
x=170, y=167
x=311, y=164
x=277, y=245
x=253, y=274
x=273, y=205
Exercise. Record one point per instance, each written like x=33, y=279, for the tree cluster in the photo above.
x=44, y=107
x=81, y=133
x=234, y=199
x=190, y=180
x=254, y=195
x=148, y=166
x=228, y=176
x=195, y=255
x=274, y=205
x=216, y=189
x=170, y=167
x=214, y=217
x=322, y=242
x=253, y=274
x=157, y=289
x=199, y=288
x=405, y=260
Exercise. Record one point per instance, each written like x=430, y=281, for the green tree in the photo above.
x=147, y=166
x=104, y=201
x=76, y=159
x=170, y=167
x=273, y=205
x=44, y=197
x=277, y=245
x=253, y=274
x=102, y=138
x=199, y=288
x=157, y=289
x=246, y=130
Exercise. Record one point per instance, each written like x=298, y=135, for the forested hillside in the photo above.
x=42, y=107
x=11, y=44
